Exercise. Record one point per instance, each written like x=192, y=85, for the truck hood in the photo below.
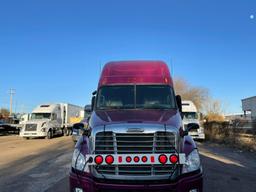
x=37, y=121
x=168, y=117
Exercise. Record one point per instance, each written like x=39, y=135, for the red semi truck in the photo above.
x=135, y=139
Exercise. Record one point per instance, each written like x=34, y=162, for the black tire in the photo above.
x=49, y=134
x=66, y=131
x=62, y=131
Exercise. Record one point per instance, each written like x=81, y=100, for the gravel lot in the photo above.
x=38, y=165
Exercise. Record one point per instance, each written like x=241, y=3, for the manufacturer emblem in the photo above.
x=136, y=130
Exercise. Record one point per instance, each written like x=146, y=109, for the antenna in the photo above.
x=100, y=67
x=172, y=67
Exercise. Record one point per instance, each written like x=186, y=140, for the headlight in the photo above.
x=78, y=161
x=201, y=130
x=192, y=162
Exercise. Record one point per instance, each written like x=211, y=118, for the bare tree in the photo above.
x=213, y=110
x=198, y=95
x=4, y=112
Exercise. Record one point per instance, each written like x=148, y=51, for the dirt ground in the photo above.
x=39, y=165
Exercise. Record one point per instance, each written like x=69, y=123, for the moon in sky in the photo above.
x=251, y=16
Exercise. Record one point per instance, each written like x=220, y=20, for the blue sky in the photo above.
x=52, y=50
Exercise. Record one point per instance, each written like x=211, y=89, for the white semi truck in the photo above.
x=191, y=115
x=48, y=120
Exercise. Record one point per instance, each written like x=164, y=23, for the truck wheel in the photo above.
x=66, y=131
x=62, y=131
x=49, y=134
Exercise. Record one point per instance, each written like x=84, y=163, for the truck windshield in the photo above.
x=136, y=96
x=41, y=116
x=190, y=115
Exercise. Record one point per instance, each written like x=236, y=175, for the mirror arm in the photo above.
x=183, y=133
x=87, y=132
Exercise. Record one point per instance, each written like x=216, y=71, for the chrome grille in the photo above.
x=104, y=143
x=135, y=143
x=30, y=127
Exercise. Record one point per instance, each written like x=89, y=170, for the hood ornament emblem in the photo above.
x=136, y=130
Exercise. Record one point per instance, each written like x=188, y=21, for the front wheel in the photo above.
x=49, y=134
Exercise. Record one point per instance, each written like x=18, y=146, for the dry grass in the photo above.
x=222, y=132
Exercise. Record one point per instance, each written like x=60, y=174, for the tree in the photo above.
x=212, y=108
x=198, y=95
x=4, y=112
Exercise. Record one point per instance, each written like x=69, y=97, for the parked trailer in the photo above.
x=135, y=140
x=71, y=114
x=48, y=120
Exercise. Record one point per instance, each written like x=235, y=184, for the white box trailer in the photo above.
x=48, y=120
x=71, y=114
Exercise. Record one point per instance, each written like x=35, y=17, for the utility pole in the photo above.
x=11, y=92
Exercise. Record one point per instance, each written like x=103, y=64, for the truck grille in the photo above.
x=30, y=127
x=137, y=143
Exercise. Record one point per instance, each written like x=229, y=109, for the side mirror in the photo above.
x=79, y=126
x=93, y=102
x=179, y=103
x=191, y=126
x=82, y=127
x=88, y=108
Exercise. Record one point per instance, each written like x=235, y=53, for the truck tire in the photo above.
x=66, y=131
x=49, y=134
x=62, y=131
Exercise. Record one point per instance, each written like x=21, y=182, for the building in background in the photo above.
x=249, y=105
x=238, y=116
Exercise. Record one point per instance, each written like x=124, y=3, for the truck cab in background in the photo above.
x=45, y=121
x=135, y=140
x=48, y=120
x=191, y=115
x=24, y=118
